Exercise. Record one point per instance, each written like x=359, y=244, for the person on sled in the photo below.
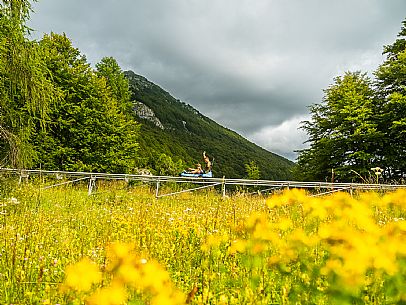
x=208, y=163
x=198, y=171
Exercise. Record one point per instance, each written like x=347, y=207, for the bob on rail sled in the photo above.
x=199, y=171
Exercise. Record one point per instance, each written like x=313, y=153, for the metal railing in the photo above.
x=269, y=185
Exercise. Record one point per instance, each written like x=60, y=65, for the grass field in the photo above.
x=122, y=246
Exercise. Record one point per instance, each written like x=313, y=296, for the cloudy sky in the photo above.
x=252, y=65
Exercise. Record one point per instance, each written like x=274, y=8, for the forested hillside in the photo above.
x=185, y=134
x=57, y=112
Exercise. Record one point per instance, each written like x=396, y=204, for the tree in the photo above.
x=164, y=165
x=391, y=84
x=25, y=92
x=88, y=130
x=343, y=133
x=252, y=170
x=116, y=81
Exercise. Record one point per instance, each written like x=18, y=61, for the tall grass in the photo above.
x=122, y=246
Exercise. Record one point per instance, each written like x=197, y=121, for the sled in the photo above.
x=202, y=175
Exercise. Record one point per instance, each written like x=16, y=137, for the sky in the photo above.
x=253, y=66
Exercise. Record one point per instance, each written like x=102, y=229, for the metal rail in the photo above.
x=269, y=184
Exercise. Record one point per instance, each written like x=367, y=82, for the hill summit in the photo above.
x=175, y=132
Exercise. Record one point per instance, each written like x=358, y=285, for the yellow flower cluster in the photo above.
x=82, y=275
x=288, y=248
x=124, y=269
x=347, y=230
x=336, y=244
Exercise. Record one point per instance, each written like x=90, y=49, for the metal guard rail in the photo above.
x=213, y=181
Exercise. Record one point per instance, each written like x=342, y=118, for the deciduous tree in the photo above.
x=252, y=170
x=391, y=83
x=88, y=130
x=343, y=133
x=25, y=92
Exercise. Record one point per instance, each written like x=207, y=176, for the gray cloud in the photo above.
x=253, y=66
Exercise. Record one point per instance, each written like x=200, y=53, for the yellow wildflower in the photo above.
x=273, y=260
x=115, y=294
x=82, y=275
x=371, y=198
x=129, y=273
x=168, y=298
x=237, y=245
x=298, y=236
x=258, y=248
x=154, y=276
x=285, y=224
x=119, y=251
x=223, y=299
x=254, y=219
x=386, y=262
x=397, y=198
x=263, y=231
x=212, y=241
x=288, y=197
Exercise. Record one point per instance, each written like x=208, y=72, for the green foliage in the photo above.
x=25, y=92
x=56, y=112
x=187, y=133
x=252, y=170
x=359, y=126
x=166, y=167
x=116, y=81
x=391, y=85
x=343, y=131
x=91, y=128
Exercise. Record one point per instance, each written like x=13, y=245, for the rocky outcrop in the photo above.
x=144, y=112
x=137, y=82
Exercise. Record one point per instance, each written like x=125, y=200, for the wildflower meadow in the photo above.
x=120, y=245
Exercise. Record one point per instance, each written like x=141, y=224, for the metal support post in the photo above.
x=23, y=175
x=223, y=187
x=157, y=189
x=92, y=184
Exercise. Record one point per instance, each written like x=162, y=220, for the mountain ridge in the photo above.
x=185, y=133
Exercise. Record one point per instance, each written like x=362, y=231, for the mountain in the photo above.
x=176, y=129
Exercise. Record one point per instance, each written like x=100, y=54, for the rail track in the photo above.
x=67, y=177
